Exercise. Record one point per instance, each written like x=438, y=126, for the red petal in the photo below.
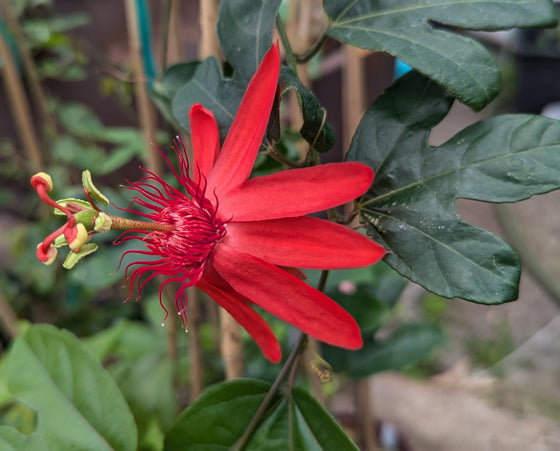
x=235, y=161
x=286, y=297
x=304, y=242
x=215, y=287
x=205, y=139
x=296, y=192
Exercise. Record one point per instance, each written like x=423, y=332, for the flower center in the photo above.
x=195, y=233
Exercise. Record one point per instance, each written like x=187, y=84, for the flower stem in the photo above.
x=288, y=369
x=286, y=43
x=312, y=51
x=118, y=223
x=292, y=358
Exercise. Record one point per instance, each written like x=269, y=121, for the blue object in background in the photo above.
x=145, y=25
x=401, y=68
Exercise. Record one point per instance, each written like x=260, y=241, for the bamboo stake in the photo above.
x=208, y=18
x=8, y=317
x=354, y=93
x=146, y=112
x=35, y=87
x=231, y=346
x=20, y=108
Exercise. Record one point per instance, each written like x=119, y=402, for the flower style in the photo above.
x=235, y=237
x=238, y=239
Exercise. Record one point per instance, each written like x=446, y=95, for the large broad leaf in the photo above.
x=218, y=418
x=13, y=440
x=245, y=33
x=299, y=422
x=78, y=404
x=164, y=89
x=209, y=87
x=409, y=30
x=245, y=30
x=142, y=368
x=409, y=208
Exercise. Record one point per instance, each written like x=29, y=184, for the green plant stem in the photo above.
x=286, y=43
x=312, y=51
x=292, y=358
x=289, y=368
x=271, y=150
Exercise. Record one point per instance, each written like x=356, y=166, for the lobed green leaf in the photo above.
x=410, y=209
x=245, y=32
x=419, y=33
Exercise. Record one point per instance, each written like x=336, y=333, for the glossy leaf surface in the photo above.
x=416, y=33
x=218, y=418
x=299, y=422
x=410, y=208
x=78, y=404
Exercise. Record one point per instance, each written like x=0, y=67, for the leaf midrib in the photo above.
x=63, y=395
x=433, y=239
x=409, y=39
x=445, y=173
x=337, y=22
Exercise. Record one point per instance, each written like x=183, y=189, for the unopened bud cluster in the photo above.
x=83, y=220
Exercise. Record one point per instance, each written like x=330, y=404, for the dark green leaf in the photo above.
x=409, y=208
x=245, y=32
x=299, y=422
x=165, y=89
x=406, y=346
x=408, y=30
x=174, y=77
x=217, y=419
x=78, y=404
x=315, y=130
x=209, y=88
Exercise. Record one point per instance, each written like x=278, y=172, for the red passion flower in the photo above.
x=239, y=239
x=234, y=237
